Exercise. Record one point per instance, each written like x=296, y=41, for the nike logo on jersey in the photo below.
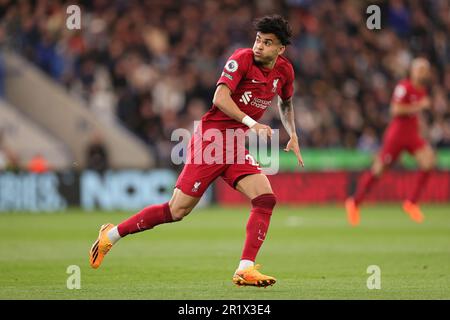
x=256, y=81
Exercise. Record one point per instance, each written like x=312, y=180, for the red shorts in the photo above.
x=197, y=177
x=395, y=142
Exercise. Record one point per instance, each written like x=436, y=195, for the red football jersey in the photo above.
x=253, y=87
x=405, y=93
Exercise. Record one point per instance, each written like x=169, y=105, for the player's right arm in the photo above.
x=233, y=73
x=222, y=100
x=401, y=106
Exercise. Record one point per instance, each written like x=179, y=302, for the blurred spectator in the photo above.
x=2, y=65
x=38, y=164
x=368, y=140
x=97, y=154
x=2, y=77
x=154, y=64
x=440, y=132
x=399, y=17
x=9, y=160
x=4, y=161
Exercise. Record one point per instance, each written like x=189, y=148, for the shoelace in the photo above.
x=255, y=268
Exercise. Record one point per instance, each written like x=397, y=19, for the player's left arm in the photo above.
x=423, y=116
x=286, y=109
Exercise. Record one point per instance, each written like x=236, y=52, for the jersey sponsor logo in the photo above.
x=256, y=102
x=245, y=98
x=260, y=103
x=196, y=186
x=231, y=66
x=275, y=84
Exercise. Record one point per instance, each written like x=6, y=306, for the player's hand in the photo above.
x=294, y=146
x=262, y=130
x=425, y=103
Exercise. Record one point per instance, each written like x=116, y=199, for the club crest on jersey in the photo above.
x=275, y=84
x=196, y=186
x=261, y=235
x=231, y=66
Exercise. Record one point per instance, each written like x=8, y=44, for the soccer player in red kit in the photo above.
x=250, y=80
x=403, y=134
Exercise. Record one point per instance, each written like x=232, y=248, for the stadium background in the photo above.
x=86, y=116
x=151, y=67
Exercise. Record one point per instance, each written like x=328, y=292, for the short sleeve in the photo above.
x=400, y=93
x=288, y=87
x=234, y=70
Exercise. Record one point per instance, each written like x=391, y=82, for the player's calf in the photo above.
x=181, y=204
x=178, y=213
x=426, y=158
x=379, y=166
x=256, y=230
x=257, y=225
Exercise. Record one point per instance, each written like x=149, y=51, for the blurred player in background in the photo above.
x=250, y=80
x=402, y=134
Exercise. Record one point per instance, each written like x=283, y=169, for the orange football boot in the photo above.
x=413, y=210
x=352, y=211
x=101, y=246
x=252, y=277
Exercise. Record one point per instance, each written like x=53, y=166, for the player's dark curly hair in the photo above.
x=277, y=25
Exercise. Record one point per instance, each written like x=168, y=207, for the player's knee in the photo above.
x=265, y=201
x=378, y=168
x=178, y=213
x=432, y=162
x=428, y=162
x=375, y=171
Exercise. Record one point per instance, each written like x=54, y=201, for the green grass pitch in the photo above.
x=311, y=250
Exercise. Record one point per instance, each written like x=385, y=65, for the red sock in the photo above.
x=147, y=218
x=420, y=185
x=364, y=187
x=258, y=224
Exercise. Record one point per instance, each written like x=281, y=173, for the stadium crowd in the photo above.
x=153, y=64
